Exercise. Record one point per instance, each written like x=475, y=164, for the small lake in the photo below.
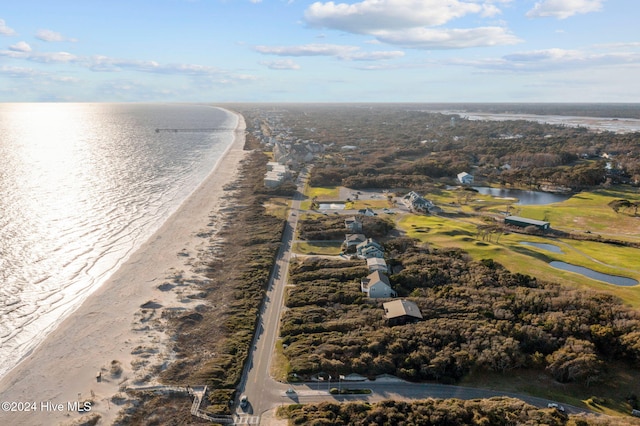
x=525, y=198
x=331, y=206
x=611, y=279
x=544, y=246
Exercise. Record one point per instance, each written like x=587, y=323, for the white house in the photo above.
x=376, y=285
x=465, y=178
x=377, y=264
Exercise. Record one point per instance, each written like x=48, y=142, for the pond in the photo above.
x=524, y=197
x=611, y=279
x=331, y=206
x=544, y=246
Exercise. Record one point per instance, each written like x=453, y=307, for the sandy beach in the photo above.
x=117, y=333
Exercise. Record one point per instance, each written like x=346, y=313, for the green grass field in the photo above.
x=508, y=251
x=323, y=192
x=330, y=248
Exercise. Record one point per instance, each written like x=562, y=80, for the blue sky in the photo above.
x=322, y=51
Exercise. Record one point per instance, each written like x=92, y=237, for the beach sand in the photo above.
x=118, y=330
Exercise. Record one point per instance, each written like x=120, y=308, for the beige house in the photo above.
x=376, y=285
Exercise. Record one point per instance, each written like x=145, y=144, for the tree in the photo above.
x=575, y=361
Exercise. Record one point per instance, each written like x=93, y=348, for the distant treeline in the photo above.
x=407, y=146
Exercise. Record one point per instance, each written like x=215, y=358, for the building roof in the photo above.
x=375, y=277
x=360, y=238
x=526, y=220
x=376, y=261
x=369, y=242
x=401, y=308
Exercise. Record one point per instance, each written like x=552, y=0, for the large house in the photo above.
x=465, y=178
x=369, y=248
x=415, y=202
x=376, y=285
x=401, y=312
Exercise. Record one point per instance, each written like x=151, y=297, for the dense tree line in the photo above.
x=439, y=412
x=333, y=228
x=407, y=146
x=476, y=315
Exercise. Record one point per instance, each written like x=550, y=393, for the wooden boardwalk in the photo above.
x=198, y=393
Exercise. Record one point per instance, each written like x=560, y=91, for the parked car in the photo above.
x=556, y=406
x=244, y=401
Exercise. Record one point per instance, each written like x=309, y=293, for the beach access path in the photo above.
x=63, y=369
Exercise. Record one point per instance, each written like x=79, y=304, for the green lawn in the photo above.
x=508, y=251
x=331, y=193
x=330, y=248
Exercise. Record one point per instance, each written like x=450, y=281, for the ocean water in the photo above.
x=81, y=187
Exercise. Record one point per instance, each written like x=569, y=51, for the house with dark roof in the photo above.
x=416, y=202
x=523, y=222
x=369, y=248
x=352, y=240
x=401, y=312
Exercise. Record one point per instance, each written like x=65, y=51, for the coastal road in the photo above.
x=261, y=390
x=264, y=393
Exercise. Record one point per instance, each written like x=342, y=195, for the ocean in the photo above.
x=81, y=187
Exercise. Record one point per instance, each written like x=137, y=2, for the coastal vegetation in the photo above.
x=479, y=315
x=490, y=305
x=212, y=341
x=436, y=412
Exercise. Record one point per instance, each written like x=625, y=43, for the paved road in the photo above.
x=261, y=390
x=264, y=393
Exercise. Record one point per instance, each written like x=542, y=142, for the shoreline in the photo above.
x=118, y=331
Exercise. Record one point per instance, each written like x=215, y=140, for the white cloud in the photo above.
x=553, y=60
x=563, y=9
x=100, y=63
x=411, y=23
x=308, y=50
x=351, y=53
x=374, y=15
x=425, y=38
x=5, y=30
x=48, y=35
x=19, y=72
x=286, y=64
x=376, y=56
x=42, y=57
x=21, y=46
